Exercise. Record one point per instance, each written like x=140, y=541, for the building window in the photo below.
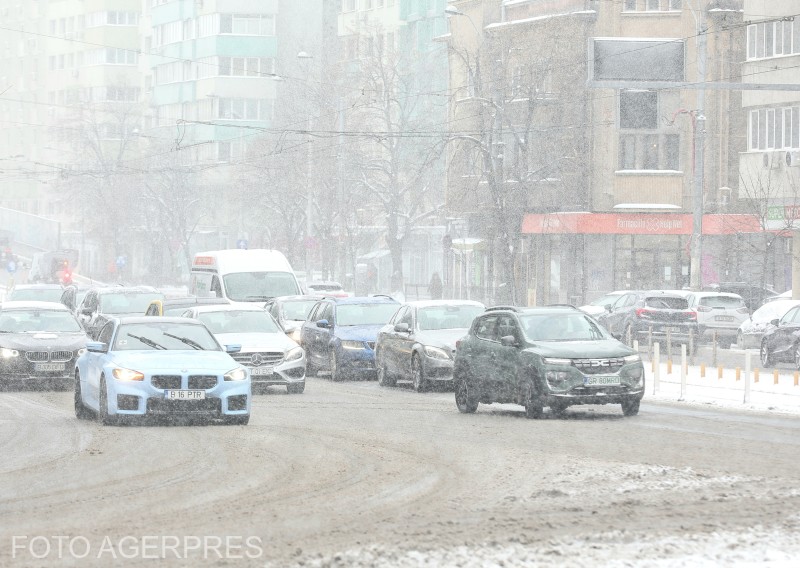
x=245, y=24
x=774, y=128
x=652, y=5
x=629, y=5
x=769, y=39
x=245, y=109
x=246, y=66
x=649, y=151
x=638, y=110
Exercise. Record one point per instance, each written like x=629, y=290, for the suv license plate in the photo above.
x=600, y=381
x=184, y=394
x=723, y=318
x=44, y=367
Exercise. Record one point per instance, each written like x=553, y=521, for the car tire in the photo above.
x=630, y=407
x=103, y=414
x=296, y=388
x=534, y=409
x=465, y=401
x=766, y=356
x=81, y=412
x=237, y=420
x=739, y=340
x=385, y=378
x=336, y=370
x=797, y=356
x=418, y=374
x=558, y=408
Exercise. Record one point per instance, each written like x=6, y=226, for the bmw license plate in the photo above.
x=48, y=367
x=257, y=371
x=600, y=381
x=184, y=394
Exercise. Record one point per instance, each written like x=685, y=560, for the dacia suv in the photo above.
x=555, y=356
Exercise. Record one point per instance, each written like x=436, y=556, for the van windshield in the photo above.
x=259, y=286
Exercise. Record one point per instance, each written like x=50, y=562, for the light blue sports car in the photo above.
x=160, y=366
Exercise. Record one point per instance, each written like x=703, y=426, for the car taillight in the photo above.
x=642, y=313
x=693, y=315
x=743, y=310
x=703, y=309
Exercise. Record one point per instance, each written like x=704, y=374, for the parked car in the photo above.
x=290, y=312
x=781, y=340
x=752, y=330
x=555, y=356
x=340, y=333
x=754, y=296
x=598, y=307
x=718, y=314
x=39, y=343
x=176, y=306
x=616, y=316
x=160, y=366
x=270, y=356
x=419, y=341
x=100, y=304
x=656, y=315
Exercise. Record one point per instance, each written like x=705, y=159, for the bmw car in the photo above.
x=150, y=366
x=39, y=344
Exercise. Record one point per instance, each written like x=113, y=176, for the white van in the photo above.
x=241, y=275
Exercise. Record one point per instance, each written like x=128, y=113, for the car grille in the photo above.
x=161, y=406
x=166, y=381
x=599, y=366
x=259, y=358
x=203, y=382
x=45, y=356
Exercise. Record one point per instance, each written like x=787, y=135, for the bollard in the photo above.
x=702, y=370
x=755, y=375
x=747, y=357
x=714, y=348
x=636, y=345
x=775, y=376
x=669, y=366
x=738, y=373
x=796, y=377
x=719, y=372
x=692, y=348
x=669, y=344
x=657, y=368
x=683, y=372
x=650, y=339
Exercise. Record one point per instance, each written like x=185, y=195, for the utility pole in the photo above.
x=696, y=254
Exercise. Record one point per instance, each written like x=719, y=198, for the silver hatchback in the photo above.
x=718, y=314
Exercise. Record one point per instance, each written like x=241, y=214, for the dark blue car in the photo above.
x=339, y=334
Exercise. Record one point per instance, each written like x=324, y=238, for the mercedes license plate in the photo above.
x=48, y=367
x=184, y=394
x=600, y=381
x=257, y=371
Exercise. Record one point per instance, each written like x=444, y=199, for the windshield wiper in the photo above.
x=190, y=342
x=147, y=341
x=265, y=298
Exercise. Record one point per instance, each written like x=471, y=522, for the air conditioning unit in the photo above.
x=769, y=161
x=793, y=158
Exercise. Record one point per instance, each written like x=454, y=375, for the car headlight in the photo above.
x=352, y=345
x=436, y=353
x=294, y=354
x=127, y=375
x=237, y=374
x=632, y=358
x=556, y=361
x=556, y=377
x=80, y=351
x=7, y=353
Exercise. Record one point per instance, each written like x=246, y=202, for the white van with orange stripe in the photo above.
x=240, y=275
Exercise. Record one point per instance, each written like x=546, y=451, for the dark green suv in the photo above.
x=554, y=356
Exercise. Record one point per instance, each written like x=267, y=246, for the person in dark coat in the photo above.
x=435, y=287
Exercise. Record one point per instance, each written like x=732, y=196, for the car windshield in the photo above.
x=297, y=309
x=772, y=310
x=254, y=286
x=364, y=314
x=607, y=299
x=37, y=294
x=666, y=303
x=127, y=302
x=561, y=327
x=164, y=336
x=721, y=302
x=327, y=287
x=239, y=321
x=31, y=321
x=447, y=317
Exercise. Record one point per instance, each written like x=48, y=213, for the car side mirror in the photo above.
x=508, y=341
x=323, y=324
x=96, y=346
x=607, y=307
x=402, y=328
x=233, y=348
x=774, y=322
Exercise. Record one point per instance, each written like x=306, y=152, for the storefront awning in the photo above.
x=636, y=223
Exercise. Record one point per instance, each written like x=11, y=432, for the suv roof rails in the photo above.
x=511, y=308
